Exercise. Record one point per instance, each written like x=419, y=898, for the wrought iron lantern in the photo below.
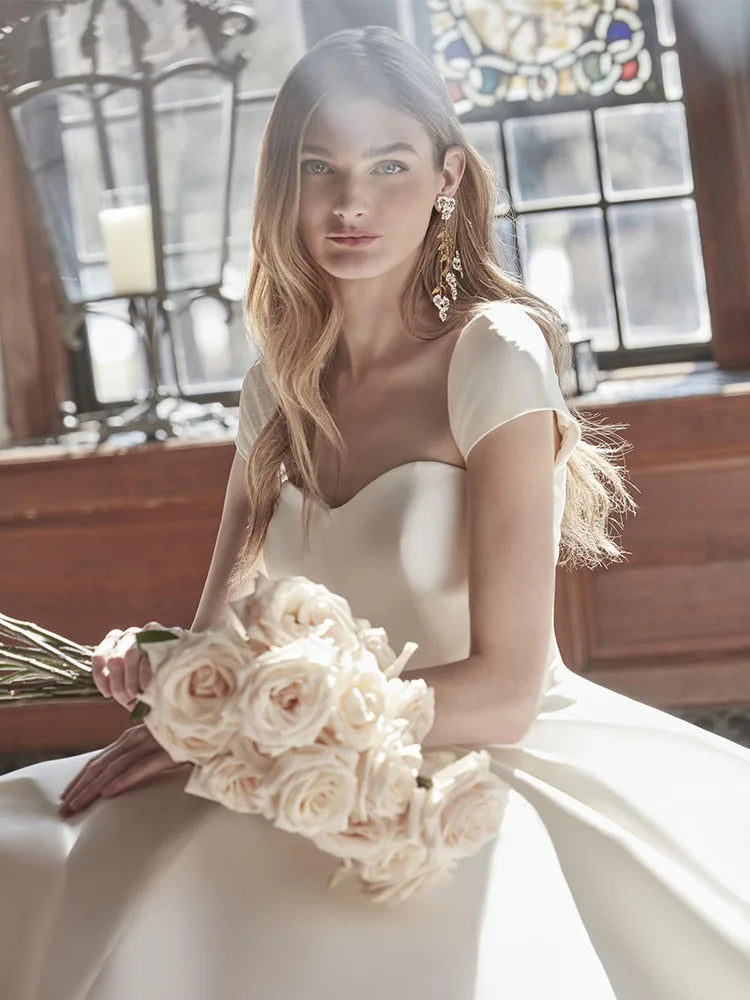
x=97, y=146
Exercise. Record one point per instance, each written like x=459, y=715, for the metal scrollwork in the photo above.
x=218, y=21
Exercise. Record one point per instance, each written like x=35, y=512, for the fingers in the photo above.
x=77, y=778
x=85, y=793
x=131, y=662
x=145, y=673
x=135, y=736
x=123, y=666
x=84, y=775
x=116, y=667
x=120, y=668
x=99, y=771
x=99, y=665
x=142, y=771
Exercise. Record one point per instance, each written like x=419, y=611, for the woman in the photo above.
x=622, y=866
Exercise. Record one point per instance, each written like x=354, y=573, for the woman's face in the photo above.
x=368, y=186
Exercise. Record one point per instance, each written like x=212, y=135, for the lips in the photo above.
x=353, y=238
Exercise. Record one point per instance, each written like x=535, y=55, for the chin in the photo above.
x=353, y=268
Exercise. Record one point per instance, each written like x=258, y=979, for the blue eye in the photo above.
x=309, y=165
x=400, y=167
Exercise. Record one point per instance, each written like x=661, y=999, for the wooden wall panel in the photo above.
x=113, y=539
x=675, y=609
x=670, y=625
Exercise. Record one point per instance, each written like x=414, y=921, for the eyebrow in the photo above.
x=370, y=154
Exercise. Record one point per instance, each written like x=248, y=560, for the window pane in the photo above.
x=564, y=256
x=251, y=121
x=645, y=151
x=505, y=247
x=211, y=353
x=665, y=22
x=193, y=186
x=485, y=138
x=551, y=160
x=117, y=357
x=661, y=282
x=545, y=54
x=670, y=70
x=59, y=137
x=275, y=46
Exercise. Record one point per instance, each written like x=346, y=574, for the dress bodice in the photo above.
x=397, y=550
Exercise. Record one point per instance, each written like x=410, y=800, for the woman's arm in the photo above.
x=232, y=527
x=491, y=696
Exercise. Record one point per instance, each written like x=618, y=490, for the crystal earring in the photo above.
x=449, y=259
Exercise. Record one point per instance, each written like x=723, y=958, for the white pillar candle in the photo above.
x=128, y=243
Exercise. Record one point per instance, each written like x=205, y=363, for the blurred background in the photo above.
x=619, y=134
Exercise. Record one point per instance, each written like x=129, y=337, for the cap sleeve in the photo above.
x=501, y=368
x=255, y=408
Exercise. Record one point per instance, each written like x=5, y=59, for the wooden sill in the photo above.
x=665, y=381
x=84, y=444
x=620, y=385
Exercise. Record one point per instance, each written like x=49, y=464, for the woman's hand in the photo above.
x=120, y=670
x=134, y=757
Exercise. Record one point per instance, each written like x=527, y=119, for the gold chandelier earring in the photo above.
x=449, y=259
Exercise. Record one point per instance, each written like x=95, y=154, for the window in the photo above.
x=194, y=117
x=593, y=186
x=578, y=107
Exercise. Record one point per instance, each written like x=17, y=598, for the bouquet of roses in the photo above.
x=297, y=711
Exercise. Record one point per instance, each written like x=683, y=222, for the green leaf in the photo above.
x=154, y=635
x=140, y=711
x=423, y=782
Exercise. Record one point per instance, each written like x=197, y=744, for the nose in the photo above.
x=350, y=201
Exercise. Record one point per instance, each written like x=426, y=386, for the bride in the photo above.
x=404, y=441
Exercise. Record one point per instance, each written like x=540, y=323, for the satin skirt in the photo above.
x=621, y=872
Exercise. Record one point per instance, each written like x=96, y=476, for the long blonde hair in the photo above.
x=295, y=315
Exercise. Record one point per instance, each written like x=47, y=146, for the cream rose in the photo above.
x=311, y=790
x=287, y=608
x=230, y=781
x=436, y=760
x=387, y=776
x=392, y=893
x=464, y=807
x=413, y=702
x=399, y=862
x=396, y=668
x=286, y=699
x=359, y=701
x=246, y=750
x=191, y=690
x=375, y=641
x=361, y=840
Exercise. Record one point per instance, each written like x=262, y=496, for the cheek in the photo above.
x=315, y=206
x=307, y=216
x=406, y=222
x=406, y=209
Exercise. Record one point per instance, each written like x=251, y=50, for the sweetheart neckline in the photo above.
x=403, y=465
x=383, y=475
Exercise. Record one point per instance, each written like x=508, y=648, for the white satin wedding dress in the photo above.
x=621, y=870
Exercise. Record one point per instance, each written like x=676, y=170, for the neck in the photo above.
x=373, y=329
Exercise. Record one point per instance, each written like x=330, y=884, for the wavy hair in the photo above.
x=295, y=316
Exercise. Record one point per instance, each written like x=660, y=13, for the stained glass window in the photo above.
x=543, y=54
x=577, y=105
